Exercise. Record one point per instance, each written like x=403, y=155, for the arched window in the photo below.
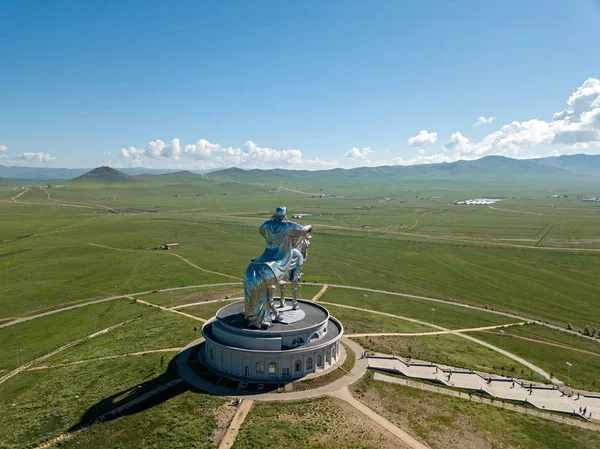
x=260, y=367
x=327, y=357
x=309, y=363
x=272, y=368
x=314, y=336
x=211, y=353
x=333, y=353
x=298, y=366
x=319, y=361
x=246, y=371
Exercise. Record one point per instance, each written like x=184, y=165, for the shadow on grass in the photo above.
x=135, y=399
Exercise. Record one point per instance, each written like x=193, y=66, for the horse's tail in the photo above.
x=258, y=278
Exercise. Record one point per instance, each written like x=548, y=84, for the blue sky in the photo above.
x=204, y=84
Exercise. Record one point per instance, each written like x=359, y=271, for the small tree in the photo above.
x=586, y=331
x=570, y=326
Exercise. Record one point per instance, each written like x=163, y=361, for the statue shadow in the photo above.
x=135, y=399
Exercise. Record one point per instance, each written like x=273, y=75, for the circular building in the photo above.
x=302, y=342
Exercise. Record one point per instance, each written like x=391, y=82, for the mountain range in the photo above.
x=580, y=167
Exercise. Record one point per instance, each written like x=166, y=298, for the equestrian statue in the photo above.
x=280, y=264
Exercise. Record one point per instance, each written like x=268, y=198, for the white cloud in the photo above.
x=214, y=155
x=202, y=149
x=423, y=138
x=577, y=126
x=484, y=121
x=37, y=157
x=579, y=146
x=132, y=153
x=3, y=148
x=257, y=153
x=106, y=153
x=356, y=153
x=555, y=153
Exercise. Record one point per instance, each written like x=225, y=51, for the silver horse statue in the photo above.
x=280, y=264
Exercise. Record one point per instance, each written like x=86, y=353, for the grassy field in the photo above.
x=37, y=405
x=42, y=335
x=448, y=316
x=550, y=350
x=193, y=295
x=158, y=330
x=189, y=420
x=448, y=422
x=322, y=423
x=355, y=321
x=207, y=311
x=450, y=350
x=64, y=246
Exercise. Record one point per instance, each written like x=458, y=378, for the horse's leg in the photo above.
x=271, y=289
x=282, y=295
x=295, y=305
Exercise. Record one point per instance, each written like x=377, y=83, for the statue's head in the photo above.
x=280, y=213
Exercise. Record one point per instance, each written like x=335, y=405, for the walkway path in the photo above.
x=169, y=253
x=56, y=351
x=108, y=357
x=349, y=287
x=457, y=304
x=47, y=193
x=14, y=198
x=540, y=396
x=422, y=334
x=451, y=238
x=522, y=361
x=167, y=309
x=110, y=298
x=338, y=389
x=556, y=345
x=345, y=396
x=236, y=423
x=201, y=303
x=488, y=401
x=184, y=370
x=320, y=293
x=114, y=412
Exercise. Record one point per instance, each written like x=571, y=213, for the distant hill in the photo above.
x=177, y=177
x=496, y=169
x=59, y=174
x=6, y=182
x=104, y=174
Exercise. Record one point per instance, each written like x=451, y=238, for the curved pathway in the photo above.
x=192, y=264
x=110, y=298
x=522, y=361
x=108, y=357
x=423, y=334
x=457, y=304
x=359, y=369
x=14, y=198
x=337, y=389
x=26, y=366
x=320, y=293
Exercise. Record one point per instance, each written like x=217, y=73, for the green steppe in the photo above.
x=528, y=255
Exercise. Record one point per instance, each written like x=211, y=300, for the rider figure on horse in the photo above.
x=287, y=244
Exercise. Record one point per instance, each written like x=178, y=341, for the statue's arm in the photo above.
x=299, y=230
